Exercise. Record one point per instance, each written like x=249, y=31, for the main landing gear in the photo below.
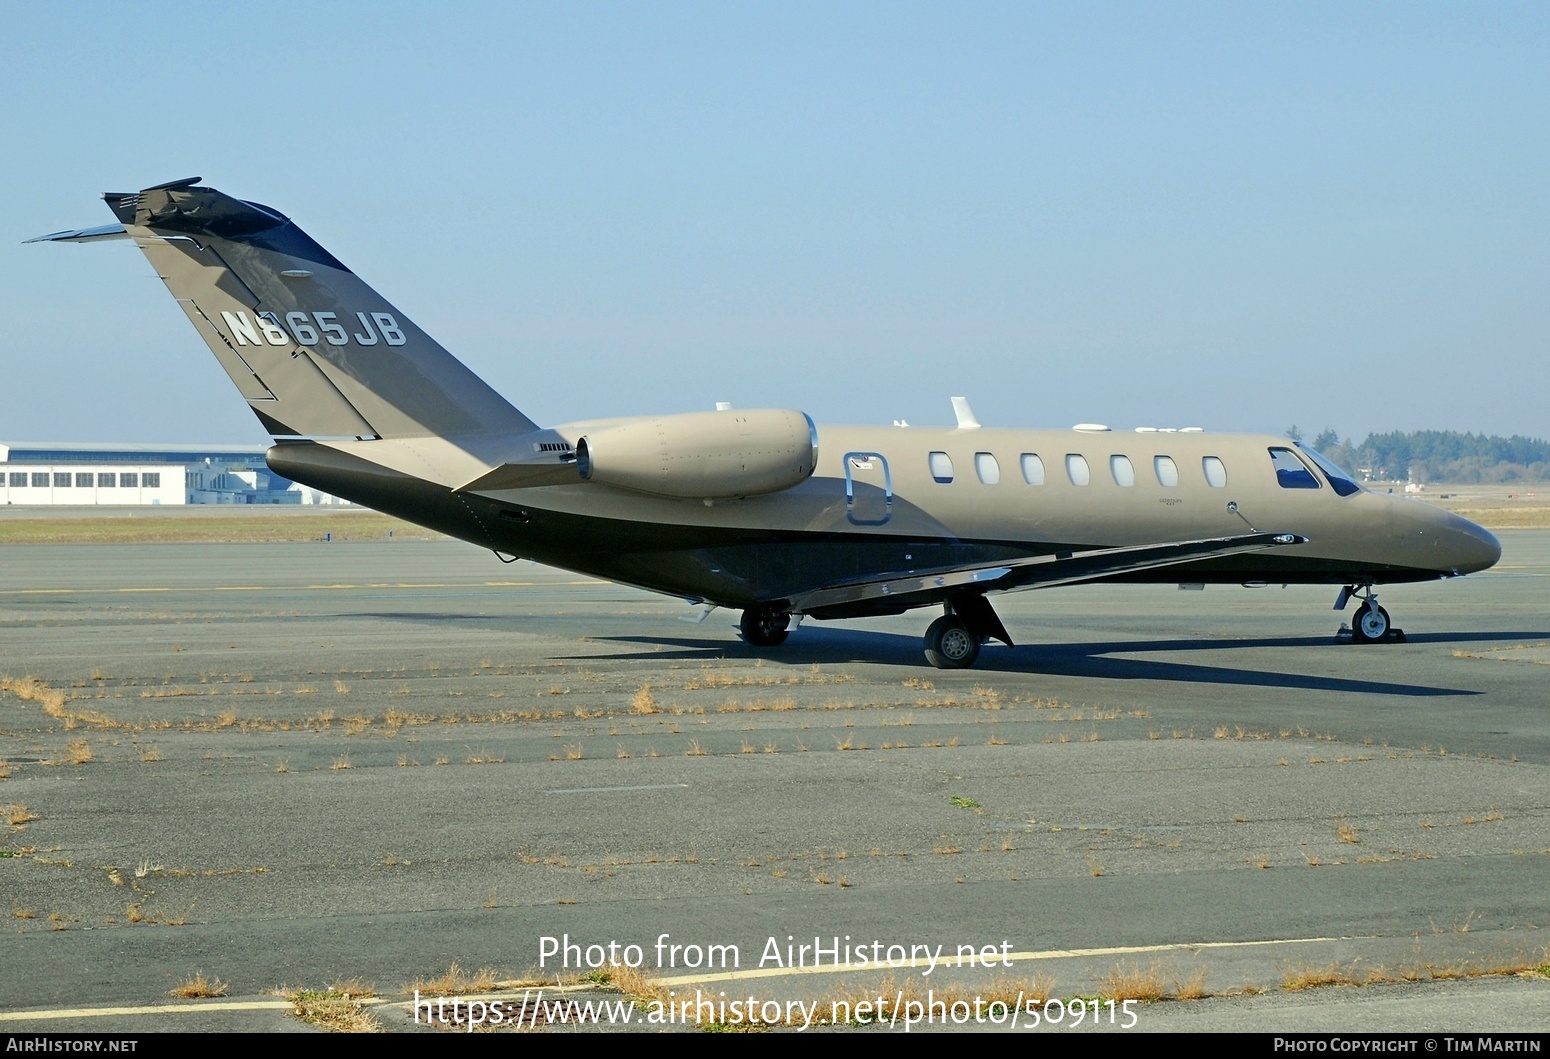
x=953, y=640
x=764, y=628
x=1370, y=623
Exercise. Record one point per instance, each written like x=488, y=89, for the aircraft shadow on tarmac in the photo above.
x=1096, y=659
x=1093, y=660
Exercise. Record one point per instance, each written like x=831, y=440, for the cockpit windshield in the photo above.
x=1339, y=481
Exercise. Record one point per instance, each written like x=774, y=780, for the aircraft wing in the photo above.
x=918, y=587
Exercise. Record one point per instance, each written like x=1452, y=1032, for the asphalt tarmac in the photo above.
x=292, y=765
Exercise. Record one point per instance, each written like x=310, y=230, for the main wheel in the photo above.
x=950, y=644
x=764, y=628
x=1370, y=623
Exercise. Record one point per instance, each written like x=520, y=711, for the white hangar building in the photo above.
x=86, y=475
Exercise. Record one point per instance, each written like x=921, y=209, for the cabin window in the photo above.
x=105, y=479
x=61, y=479
x=39, y=480
x=1216, y=474
x=83, y=479
x=1167, y=471
x=1123, y=470
x=1290, y=472
x=941, y=467
x=1077, y=470
x=1033, y=469
x=129, y=481
x=987, y=468
x=18, y=479
x=151, y=480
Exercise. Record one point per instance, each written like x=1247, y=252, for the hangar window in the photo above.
x=1033, y=469
x=129, y=480
x=61, y=479
x=941, y=467
x=1123, y=471
x=104, y=479
x=987, y=468
x=151, y=479
x=1077, y=470
x=1167, y=471
x=18, y=478
x=1290, y=472
x=83, y=479
x=40, y=479
x=1216, y=473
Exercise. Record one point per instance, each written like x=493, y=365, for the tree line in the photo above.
x=1437, y=456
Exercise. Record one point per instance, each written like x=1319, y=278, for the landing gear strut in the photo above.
x=1370, y=623
x=764, y=628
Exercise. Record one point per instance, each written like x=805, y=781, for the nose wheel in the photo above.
x=1370, y=623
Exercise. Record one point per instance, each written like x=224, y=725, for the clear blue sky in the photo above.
x=1234, y=215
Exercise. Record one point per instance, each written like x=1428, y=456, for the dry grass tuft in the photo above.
x=632, y=981
x=354, y=988
x=643, y=702
x=1346, y=832
x=456, y=980
x=17, y=815
x=1134, y=983
x=1150, y=984
x=78, y=752
x=198, y=986
x=336, y=1009
x=1192, y=987
x=1299, y=978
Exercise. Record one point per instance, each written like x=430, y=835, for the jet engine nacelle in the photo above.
x=703, y=455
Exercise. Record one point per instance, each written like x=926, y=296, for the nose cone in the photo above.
x=1465, y=547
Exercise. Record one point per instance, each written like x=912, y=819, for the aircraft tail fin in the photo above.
x=315, y=351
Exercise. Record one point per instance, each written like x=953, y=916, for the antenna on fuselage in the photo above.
x=965, y=414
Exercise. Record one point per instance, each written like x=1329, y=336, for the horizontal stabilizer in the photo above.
x=83, y=235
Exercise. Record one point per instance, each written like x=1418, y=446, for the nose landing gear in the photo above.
x=1370, y=623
